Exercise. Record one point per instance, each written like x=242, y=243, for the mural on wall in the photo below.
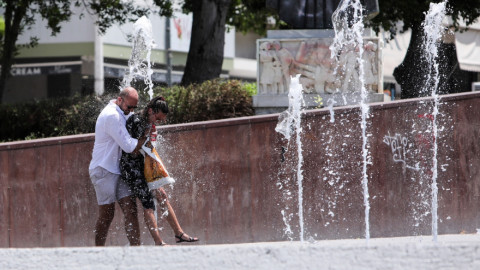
x=320, y=73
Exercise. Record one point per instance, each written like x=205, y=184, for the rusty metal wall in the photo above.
x=237, y=178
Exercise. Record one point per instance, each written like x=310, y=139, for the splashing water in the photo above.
x=330, y=103
x=433, y=32
x=139, y=65
x=286, y=219
x=348, y=26
x=289, y=122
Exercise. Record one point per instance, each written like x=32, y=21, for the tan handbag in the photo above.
x=154, y=170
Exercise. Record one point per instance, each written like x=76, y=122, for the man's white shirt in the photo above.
x=111, y=137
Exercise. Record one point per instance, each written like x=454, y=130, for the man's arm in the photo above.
x=141, y=141
x=119, y=133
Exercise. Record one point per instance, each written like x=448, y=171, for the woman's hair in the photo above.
x=157, y=104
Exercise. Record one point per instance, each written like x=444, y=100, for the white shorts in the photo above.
x=108, y=186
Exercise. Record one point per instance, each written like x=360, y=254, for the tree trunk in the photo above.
x=452, y=79
x=410, y=74
x=205, y=57
x=14, y=13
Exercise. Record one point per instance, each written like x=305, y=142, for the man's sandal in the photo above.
x=180, y=239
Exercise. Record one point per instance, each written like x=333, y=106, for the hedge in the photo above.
x=217, y=99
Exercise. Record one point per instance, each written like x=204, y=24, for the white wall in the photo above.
x=118, y=34
x=76, y=30
x=246, y=45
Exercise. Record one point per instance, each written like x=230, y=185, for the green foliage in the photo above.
x=251, y=88
x=50, y=118
x=244, y=15
x=412, y=13
x=2, y=27
x=210, y=100
x=166, y=7
x=319, y=101
x=77, y=115
x=250, y=15
x=110, y=12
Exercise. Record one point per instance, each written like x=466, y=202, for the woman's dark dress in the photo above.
x=131, y=165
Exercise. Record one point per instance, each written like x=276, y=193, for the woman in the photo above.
x=132, y=169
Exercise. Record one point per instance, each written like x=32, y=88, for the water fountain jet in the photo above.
x=349, y=27
x=139, y=65
x=433, y=31
x=291, y=121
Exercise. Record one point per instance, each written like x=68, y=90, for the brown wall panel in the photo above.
x=78, y=195
x=4, y=200
x=33, y=197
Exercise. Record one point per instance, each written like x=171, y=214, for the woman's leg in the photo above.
x=164, y=204
x=151, y=221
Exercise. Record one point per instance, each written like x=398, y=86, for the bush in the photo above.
x=76, y=115
x=251, y=88
x=49, y=118
x=210, y=100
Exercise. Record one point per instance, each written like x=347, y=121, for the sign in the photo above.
x=45, y=70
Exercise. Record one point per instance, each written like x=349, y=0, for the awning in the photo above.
x=468, y=48
x=393, y=53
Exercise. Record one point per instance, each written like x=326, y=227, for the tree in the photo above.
x=210, y=20
x=20, y=16
x=410, y=73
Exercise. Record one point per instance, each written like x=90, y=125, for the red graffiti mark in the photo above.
x=428, y=116
x=425, y=145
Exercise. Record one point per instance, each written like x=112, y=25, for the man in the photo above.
x=111, y=137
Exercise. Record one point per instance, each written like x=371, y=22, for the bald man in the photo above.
x=111, y=137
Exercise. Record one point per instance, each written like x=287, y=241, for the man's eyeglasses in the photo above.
x=129, y=107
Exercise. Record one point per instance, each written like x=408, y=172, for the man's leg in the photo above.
x=104, y=183
x=132, y=228
x=105, y=217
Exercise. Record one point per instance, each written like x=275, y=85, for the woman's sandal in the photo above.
x=190, y=239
